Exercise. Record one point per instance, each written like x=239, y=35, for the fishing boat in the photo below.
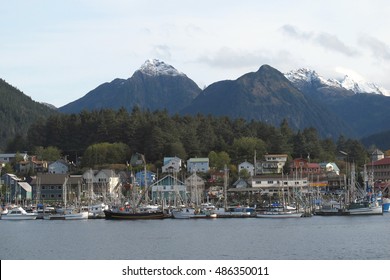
x=364, y=207
x=236, y=212
x=278, y=212
x=193, y=213
x=128, y=213
x=18, y=213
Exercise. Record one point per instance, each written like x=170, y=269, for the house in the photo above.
x=301, y=167
x=16, y=190
x=140, y=178
x=100, y=183
x=271, y=164
x=249, y=167
x=195, y=188
x=377, y=155
x=169, y=189
x=329, y=167
x=171, y=165
x=6, y=158
x=198, y=165
x=31, y=165
x=58, y=167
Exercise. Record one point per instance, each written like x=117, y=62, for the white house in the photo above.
x=271, y=164
x=246, y=166
x=104, y=182
x=198, y=165
x=171, y=165
x=58, y=167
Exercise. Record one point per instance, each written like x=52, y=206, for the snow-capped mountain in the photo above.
x=304, y=76
x=155, y=67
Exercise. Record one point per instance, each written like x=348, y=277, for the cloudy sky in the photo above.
x=57, y=51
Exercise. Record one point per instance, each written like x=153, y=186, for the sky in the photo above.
x=57, y=51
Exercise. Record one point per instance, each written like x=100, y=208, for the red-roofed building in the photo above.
x=302, y=168
x=381, y=169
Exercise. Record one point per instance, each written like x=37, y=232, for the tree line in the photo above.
x=111, y=136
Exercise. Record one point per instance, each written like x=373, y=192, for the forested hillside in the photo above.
x=157, y=135
x=17, y=112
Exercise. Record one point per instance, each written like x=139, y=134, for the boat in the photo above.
x=276, y=213
x=385, y=204
x=331, y=208
x=236, y=212
x=193, y=213
x=128, y=213
x=96, y=211
x=364, y=207
x=18, y=213
x=68, y=214
x=277, y=210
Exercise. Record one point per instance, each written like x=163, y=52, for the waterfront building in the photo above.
x=195, y=187
x=169, y=189
x=16, y=189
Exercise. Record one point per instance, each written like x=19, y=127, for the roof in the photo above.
x=198, y=160
x=383, y=161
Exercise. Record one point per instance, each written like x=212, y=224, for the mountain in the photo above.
x=362, y=106
x=379, y=140
x=155, y=86
x=17, y=112
x=268, y=96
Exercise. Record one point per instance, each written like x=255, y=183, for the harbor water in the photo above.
x=314, y=238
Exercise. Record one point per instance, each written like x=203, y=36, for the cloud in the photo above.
x=331, y=42
x=325, y=40
x=378, y=48
x=161, y=52
x=292, y=31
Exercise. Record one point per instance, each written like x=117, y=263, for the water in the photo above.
x=315, y=238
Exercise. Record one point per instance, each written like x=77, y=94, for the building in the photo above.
x=58, y=167
x=198, y=165
x=301, y=167
x=171, y=165
x=381, y=169
x=16, y=189
x=7, y=158
x=100, y=183
x=271, y=164
x=195, y=188
x=170, y=191
x=249, y=167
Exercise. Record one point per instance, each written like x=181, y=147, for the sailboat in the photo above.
x=67, y=213
x=135, y=212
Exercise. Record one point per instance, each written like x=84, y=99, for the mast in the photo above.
x=225, y=187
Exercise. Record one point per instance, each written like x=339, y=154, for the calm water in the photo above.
x=324, y=238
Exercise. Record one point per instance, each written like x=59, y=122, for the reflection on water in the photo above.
x=290, y=239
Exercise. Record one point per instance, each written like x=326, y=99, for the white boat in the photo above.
x=236, y=212
x=192, y=213
x=68, y=215
x=18, y=213
x=279, y=212
x=97, y=210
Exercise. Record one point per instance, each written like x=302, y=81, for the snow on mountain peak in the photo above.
x=155, y=67
x=304, y=75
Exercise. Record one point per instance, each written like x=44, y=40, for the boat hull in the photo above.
x=113, y=215
x=19, y=217
x=278, y=215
